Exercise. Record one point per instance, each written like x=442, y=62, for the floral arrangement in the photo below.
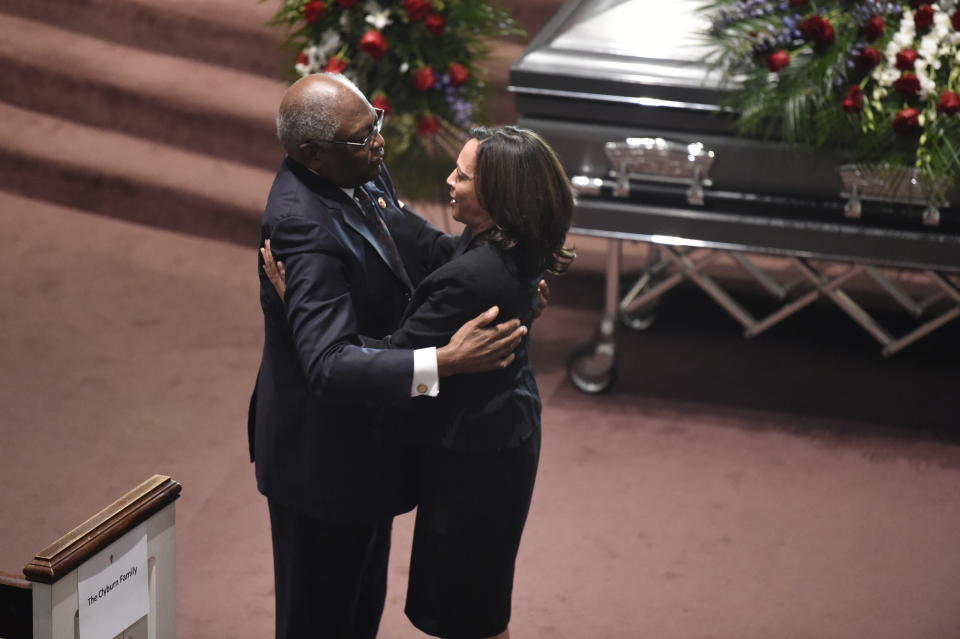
x=880, y=79
x=415, y=59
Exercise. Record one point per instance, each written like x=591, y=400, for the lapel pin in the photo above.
x=382, y=202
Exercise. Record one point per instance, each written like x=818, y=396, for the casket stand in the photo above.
x=620, y=89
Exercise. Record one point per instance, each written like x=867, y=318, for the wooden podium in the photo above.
x=56, y=573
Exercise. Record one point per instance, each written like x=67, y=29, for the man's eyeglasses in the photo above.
x=367, y=141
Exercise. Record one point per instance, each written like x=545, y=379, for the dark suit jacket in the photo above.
x=481, y=411
x=320, y=444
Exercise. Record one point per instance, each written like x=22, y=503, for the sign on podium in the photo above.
x=113, y=575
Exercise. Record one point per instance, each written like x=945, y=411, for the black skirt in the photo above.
x=472, y=509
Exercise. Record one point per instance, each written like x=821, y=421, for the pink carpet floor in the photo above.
x=791, y=487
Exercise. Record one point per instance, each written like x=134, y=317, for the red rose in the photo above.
x=906, y=59
x=346, y=4
x=907, y=85
x=417, y=9
x=303, y=58
x=853, y=101
x=818, y=30
x=427, y=124
x=868, y=59
x=336, y=64
x=777, y=60
x=373, y=44
x=873, y=28
x=381, y=101
x=434, y=24
x=955, y=19
x=458, y=74
x=313, y=11
x=906, y=121
x=923, y=17
x=424, y=78
x=949, y=103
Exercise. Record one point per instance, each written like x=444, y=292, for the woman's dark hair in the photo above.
x=520, y=182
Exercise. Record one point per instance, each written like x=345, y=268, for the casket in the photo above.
x=623, y=89
x=625, y=93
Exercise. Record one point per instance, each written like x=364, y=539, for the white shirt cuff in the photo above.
x=426, y=379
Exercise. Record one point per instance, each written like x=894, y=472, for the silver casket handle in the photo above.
x=660, y=160
x=899, y=185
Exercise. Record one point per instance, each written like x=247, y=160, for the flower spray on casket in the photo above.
x=879, y=79
x=415, y=59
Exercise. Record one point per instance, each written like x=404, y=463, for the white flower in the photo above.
x=312, y=64
x=902, y=40
x=937, y=43
x=377, y=16
x=404, y=67
x=329, y=43
x=886, y=76
x=927, y=86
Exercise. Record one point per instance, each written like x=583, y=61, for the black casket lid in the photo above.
x=653, y=51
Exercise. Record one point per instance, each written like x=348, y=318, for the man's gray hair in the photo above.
x=311, y=119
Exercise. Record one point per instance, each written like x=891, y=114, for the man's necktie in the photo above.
x=371, y=217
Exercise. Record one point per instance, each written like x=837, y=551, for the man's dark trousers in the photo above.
x=331, y=578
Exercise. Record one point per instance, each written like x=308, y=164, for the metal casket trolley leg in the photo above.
x=638, y=308
x=593, y=367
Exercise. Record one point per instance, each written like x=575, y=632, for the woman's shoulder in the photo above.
x=486, y=271
x=483, y=261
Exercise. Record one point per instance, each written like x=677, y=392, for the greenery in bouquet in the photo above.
x=415, y=59
x=878, y=79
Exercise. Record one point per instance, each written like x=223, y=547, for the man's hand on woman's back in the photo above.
x=477, y=347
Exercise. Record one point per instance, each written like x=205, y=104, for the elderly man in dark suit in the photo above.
x=322, y=428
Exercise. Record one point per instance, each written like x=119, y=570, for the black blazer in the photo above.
x=481, y=411
x=319, y=443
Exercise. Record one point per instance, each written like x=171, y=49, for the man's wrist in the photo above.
x=446, y=362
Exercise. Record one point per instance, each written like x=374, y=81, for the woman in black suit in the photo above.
x=478, y=442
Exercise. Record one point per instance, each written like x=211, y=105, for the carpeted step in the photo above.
x=129, y=178
x=203, y=108
x=230, y=33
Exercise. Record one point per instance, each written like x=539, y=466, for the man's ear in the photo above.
x=308, y=153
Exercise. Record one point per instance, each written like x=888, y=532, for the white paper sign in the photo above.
x=113, y=590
